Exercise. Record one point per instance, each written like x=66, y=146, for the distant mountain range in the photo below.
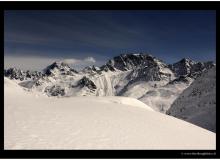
x=140, y=76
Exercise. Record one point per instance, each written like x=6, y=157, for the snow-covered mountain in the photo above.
x=36, y=121
x=140, y=76
x=17, y=74
x=59, y=68
x=197, y=104
x=190, y=68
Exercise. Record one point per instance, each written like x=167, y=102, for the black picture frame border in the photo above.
x=103, y=5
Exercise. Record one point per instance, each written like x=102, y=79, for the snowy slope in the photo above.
x=35, y=121
x=161, y=97
x=197, y=104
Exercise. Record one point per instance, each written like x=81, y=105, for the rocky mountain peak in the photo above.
x=59, y=67
x=58, y=64
x=131, y=61
x=190, y=68
x=187, y=60
x=183, y=67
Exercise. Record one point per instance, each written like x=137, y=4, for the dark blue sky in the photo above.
x=169, y=35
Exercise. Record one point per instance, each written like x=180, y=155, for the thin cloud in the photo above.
x=90, y=59
x=73, y=61
x=80, y=63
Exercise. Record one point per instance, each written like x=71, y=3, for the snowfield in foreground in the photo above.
x=33, y=121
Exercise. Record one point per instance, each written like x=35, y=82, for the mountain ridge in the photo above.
x=140, y=76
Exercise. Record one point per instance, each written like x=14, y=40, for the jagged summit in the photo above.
x=18, y=74
x=59, y=67
x=58, y=64
x=130, y=61
x=190, y=68
x=183, y=67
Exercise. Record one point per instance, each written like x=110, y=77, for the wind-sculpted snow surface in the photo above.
x=197, y=104
x=140, y=76
x=36, y=121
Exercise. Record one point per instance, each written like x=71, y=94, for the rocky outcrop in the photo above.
x=86, y=82
x=55, y=91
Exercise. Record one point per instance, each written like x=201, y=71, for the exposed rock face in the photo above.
x=151, y=73
x=200, y=67
x=126, y=62
x=86, y=82
x=55, y=91
x=190, y=68
x=183, y=67
x=143, y=66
